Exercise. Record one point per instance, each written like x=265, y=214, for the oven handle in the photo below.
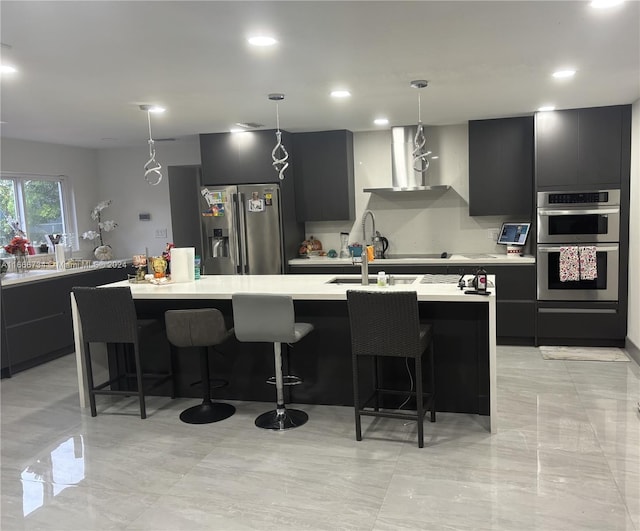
x=579, y=212
x=577, y=310
x=556, y=248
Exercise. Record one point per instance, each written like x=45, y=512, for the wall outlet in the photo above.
x=161, y=233
x=492, y=234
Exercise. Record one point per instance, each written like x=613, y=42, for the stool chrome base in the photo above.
x=282, y=419
x=207, y=412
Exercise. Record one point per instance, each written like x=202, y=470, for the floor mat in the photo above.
x=584, y=353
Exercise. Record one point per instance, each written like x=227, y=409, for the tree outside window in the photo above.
x=37, y=203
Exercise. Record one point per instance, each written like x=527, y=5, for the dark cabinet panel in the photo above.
x=599, y=324
x=501, y=167
x=323, y=166
x=37, y=315
x=582, y=148
x=242, y=158
x=556, y=135
x=599, y=145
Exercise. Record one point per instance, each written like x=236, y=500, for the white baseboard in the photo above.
x=632, y=350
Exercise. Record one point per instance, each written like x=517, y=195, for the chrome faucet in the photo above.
x=365, y=267
x=373, y=228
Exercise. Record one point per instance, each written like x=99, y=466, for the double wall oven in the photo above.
x=589, y=221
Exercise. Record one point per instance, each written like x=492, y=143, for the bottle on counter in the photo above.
x=382, y=278
x=196, y=264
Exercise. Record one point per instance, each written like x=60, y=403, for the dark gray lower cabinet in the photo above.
x=515, y=301
x=582, y=323
x=37, y=325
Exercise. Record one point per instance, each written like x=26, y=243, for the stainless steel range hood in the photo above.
x=403, y=177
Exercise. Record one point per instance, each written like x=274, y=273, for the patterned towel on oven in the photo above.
x=569, y=263
x=588, y=263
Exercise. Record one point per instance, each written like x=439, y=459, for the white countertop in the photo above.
x=300, y=287
x=454, y=259
x=12, y=279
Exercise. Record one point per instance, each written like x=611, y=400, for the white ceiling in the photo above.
x=85, y=67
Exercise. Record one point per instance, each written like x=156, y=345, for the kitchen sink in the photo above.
x=372, y=280
x=416, y=256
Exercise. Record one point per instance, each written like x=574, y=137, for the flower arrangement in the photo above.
x=17, y=245
x=106, y=226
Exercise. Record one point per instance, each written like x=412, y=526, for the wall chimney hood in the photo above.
x=404, y=178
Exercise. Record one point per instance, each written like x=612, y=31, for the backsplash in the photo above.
x=416, y=222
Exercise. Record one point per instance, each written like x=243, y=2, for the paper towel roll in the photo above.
x=182, y=268
x=59, y=251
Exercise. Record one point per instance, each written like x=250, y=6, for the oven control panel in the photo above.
x=594, y=198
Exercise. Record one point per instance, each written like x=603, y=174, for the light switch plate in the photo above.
x=161, y=233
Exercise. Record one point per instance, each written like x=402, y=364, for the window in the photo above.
x=36, y=202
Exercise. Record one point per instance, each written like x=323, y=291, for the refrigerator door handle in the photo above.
x=242, y=233
x=236, y=233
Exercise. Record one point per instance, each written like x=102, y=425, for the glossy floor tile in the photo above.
x=566, y=456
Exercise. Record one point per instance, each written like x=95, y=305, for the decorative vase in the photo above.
x=103, y=252
x=22, y=263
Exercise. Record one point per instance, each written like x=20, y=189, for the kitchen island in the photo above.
x=464, y=339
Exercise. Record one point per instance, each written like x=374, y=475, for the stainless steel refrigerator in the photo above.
x=241, y=229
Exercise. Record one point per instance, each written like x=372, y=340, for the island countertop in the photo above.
x=475, y=352
x=299, y=287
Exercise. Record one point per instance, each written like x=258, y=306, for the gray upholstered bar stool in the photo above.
x=262, y=318
x=204, y=328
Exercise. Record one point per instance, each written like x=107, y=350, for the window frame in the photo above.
x=68, y=219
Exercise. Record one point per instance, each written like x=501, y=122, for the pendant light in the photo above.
x=279, y=153
x=152, y=167
x=420, y=156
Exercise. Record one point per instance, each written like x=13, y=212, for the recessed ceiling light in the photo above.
x=262, y=40
x=381, y=121
x=8, y=69
x=152, y=108
x=546, y=108
x=435, y=157
x=604, y=4
x=340, y=94
x=563, y=74
x=249, y=125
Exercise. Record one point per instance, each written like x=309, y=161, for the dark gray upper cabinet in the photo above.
x=323, y=169
x=242, y=158
x=501, y=167
x=582, y=148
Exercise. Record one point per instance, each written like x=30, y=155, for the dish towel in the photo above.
x=588, y=263
x=569, y=264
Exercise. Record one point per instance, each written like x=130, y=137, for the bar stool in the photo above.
x=108, y=315
x=204, y=328
x=387, y=324
x=259, y=318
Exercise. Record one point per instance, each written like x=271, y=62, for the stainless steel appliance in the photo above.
x=242, y=229
x=603, y=288
x=568, y=219
x=579, y=217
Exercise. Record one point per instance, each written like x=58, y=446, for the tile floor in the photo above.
x=566, y=457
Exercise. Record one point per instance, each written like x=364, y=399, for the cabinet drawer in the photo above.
x=33, y=339
x=515, y=318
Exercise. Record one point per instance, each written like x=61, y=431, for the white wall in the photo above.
x=80, y=165
x=633, y=329
x=416, y=222
x=121, y=178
